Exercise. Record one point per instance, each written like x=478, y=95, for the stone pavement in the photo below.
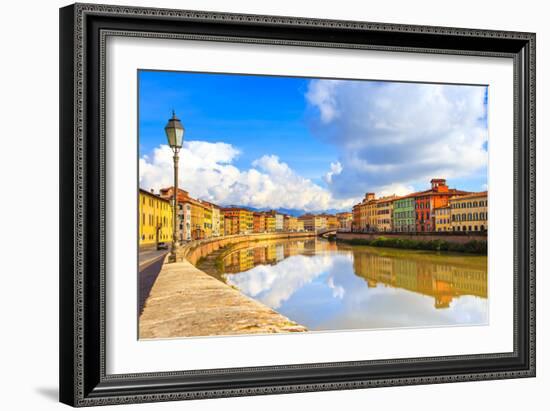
x=185, y=301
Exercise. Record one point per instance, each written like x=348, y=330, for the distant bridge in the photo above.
x=325, y=232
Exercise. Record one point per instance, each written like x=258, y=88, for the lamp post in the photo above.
x=174, y=133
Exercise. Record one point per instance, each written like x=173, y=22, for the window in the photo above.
x=469, y=216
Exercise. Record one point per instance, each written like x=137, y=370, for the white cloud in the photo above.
x=207, y=172
x=335, y=169
x=394, y=135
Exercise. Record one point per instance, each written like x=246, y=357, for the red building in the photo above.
x=426, y=201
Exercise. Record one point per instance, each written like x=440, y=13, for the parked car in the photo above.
x=162, y=246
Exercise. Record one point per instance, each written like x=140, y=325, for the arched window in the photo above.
x=475, y=204
x=463, y=217
x=469, y=205
x=469, y=216
x=476, y=217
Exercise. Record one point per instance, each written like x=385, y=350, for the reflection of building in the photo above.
x=242, y=220
x=155, y=219
x=259, y=255
x=442, y=218
x=469, y=212
x=280, y=252
x=443, y=282
x=239, y=261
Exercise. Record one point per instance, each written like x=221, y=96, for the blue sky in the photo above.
x=259, y=115
x=310, y=144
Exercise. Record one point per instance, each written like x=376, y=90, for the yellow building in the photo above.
x=216, y=221
x=230, y=225
x=365, y=215
x=155, y=220
x=313, y=222
x=300, y=226
x=331, y=221
x=290, y=223
x=242, y=218
x=469, y=212
x=270, y=223
x=443, y=218
x=384, y=211
x=345, y=220
x=207, y=220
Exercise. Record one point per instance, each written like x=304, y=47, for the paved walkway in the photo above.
x=185, y=301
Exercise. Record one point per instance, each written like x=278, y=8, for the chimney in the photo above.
x=369, y=196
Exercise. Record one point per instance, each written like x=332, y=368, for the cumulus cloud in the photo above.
x=208, y=172
x=393, y=135
x=335, y=169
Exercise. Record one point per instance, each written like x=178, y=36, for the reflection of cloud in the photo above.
x=207, y=172
x=274, y=284
x=377, y=126
x=337, y=290
x=324, y=293
x=386, y=307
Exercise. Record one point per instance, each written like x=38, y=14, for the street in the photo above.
x=150, y=263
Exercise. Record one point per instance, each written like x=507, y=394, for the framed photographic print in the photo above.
x=261, y=204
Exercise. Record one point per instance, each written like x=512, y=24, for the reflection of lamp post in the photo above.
x=174, y=132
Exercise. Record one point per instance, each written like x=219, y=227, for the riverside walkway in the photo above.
x=185, y=301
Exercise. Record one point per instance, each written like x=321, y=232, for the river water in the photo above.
x=328, y=286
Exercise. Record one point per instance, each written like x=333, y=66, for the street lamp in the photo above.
x=174, y=132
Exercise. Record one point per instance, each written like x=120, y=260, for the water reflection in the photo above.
x=326, y=286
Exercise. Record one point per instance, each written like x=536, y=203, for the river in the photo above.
x=331, y=286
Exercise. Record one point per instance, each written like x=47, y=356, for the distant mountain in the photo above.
x=288, y=211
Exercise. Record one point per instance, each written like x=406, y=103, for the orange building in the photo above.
x=427, y=201
x=258, y=222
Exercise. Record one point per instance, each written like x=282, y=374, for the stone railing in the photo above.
x=194, y=250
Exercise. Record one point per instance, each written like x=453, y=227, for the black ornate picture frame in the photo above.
x=83, y=32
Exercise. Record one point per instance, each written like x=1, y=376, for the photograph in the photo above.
x=277, y=204
x=266, y=201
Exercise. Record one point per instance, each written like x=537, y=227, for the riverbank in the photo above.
x=187, y=302
x=475, y=244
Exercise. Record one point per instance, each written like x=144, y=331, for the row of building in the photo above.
x=439, y=209
x=199, y=219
